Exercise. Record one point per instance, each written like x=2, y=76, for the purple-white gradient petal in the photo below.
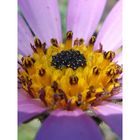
x=83, y=17
x=24, y=37
x=110, y=35
x=43, y=17
x=111, y=114
x=28, y=105
x=69, y=125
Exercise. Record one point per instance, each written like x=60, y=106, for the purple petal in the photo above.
x=24, y=37
x=43, y=17
x=110, y=35
x=28, y=105
x=23, y=117
x=83, y=17
x=69, y=125
x=112, y=115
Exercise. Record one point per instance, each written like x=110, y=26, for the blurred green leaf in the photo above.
x=29, y=130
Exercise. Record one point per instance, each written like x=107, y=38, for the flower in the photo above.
x=69, y=81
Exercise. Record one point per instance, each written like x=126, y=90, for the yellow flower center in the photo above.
x=67, y=77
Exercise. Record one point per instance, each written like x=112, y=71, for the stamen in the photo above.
x=41, y=72
x=73, y=80
x=92, y=40
x=27, y=61
x=109, y=55
x=69, y=36
x=54, y=86
x=79, y=101
x=33, y=48
x=96, y=70
x=37, y=43
x=76, y=42
x=81, y=41
x=62, y=95
x=54, y=42
x=42, y=95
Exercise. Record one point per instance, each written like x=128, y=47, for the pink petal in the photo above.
x=112, y=115
x=83, y=17
x=110, y=35
x=24, y=37
x=69, y=125
x=43, y=17
x=28, y=105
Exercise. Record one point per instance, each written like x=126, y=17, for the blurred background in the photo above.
x=28, y=131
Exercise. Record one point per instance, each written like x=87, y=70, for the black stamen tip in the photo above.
x=54, y=42
x=69, y=35
x=109, y=55
x=42, y=72
x=96, y=70
x=73, y=80
x=81, y=41
x=54, y=86
x=37, y=43
x=92, y=40
x=76, y=42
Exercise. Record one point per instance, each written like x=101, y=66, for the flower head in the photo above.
x=68, y=79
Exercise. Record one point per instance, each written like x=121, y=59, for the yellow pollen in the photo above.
x=68, y=77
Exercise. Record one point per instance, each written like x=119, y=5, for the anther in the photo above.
x=42, y=72
x=92, y=40
x=62, y=95
x=76, y=42
x=79, y=101
x=92, y=89
x=54, y=86
x=109, y=55
x=37, y=43
x=69, y=36
x=33, y=48
x=100, y=48
x=81, y=41
x=29, y=82
x=44, y=48
x=96, y=70
x=111, y=72
x=54, y=42
x=20, y=63
x=73, y=80
x=88, y=95
x=42, y=95
x=119, y=69
x=27, y=61
x=55, y=97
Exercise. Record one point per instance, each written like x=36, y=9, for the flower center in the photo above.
x=69, y=76
x=69, y=59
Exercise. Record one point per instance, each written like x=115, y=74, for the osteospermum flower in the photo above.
x=67, y=83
